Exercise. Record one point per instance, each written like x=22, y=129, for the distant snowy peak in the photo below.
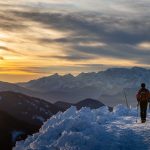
x=114, y=77
x=90, y=74
x=93, y=74
x=68, y=75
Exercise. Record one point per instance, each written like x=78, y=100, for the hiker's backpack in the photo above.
x=143, y=95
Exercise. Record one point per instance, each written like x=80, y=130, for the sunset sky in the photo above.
x=42, y=37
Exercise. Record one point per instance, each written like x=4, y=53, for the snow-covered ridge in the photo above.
x=88, y=129
x=113, y=77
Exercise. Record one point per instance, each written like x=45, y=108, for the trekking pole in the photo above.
x=137, y=112
x=148, y=108
x=148, y=105
x=126, y=100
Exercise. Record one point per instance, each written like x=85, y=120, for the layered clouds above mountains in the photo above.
x=66, y=36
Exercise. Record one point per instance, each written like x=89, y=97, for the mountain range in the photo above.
x=109, y=86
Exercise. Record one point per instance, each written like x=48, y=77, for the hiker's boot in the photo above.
x=143, y=120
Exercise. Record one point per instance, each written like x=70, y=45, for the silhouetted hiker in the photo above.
x=143, y=96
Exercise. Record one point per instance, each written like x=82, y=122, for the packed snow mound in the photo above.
x=88, y=129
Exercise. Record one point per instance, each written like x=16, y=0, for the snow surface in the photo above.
x=88, y=129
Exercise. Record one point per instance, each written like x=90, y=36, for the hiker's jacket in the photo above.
x=143, y=95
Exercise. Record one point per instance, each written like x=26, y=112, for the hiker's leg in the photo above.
x=142, y=112
x=143, y=117
x=143, y=107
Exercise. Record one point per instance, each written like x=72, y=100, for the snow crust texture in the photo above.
x=88, y=129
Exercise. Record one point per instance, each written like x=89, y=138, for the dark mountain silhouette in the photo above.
x=5, y=86
x=12, y=129
x=63, y=105
x=92, y=103
x=23, y=114
x=27, y=108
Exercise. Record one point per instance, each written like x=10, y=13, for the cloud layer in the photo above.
x=65, y=34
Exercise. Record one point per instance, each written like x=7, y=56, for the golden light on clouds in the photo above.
x=144, y=45
x=2, y=44
x=2, y=35
x=39, y=38
x=92, y=44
